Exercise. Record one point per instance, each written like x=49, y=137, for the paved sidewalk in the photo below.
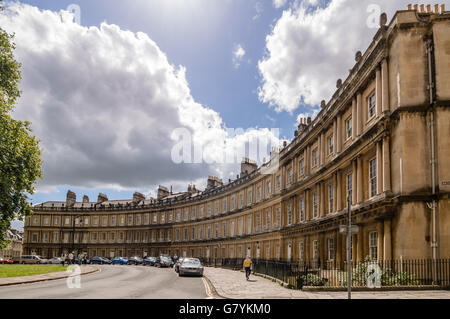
x=232, y=284
x=44, y=277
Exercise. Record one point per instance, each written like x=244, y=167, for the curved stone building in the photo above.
x=383, y=139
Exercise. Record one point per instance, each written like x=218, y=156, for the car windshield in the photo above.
x=191, y=261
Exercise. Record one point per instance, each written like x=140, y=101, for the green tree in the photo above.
x=20, y=156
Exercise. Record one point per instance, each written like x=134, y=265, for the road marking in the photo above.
x=207, y=289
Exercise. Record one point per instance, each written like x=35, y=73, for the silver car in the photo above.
x=55, y=260
x=190, y=266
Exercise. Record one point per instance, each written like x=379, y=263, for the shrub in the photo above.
x=309, y=280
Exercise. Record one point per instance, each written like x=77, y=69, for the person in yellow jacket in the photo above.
x=247, y=265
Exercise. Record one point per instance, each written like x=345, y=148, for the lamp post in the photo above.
x=349, y=243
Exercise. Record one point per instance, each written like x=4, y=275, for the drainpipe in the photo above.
x=431, y=85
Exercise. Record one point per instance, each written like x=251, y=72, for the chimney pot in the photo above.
x=422, y=8
x=442, y=8
x=429, y=8
x=436, y=8
x=416, y=7
x=409, y=6
x=383, y=19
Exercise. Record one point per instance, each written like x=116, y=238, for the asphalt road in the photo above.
x=115, y=282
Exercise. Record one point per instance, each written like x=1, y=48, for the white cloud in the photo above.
x=279, y=3
x=311, y=47
x=105, y=102
x=238, y=55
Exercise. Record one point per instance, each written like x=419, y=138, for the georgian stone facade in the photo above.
x=382, y=139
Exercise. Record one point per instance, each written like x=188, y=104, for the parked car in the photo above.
x=135, y=260
x=164, y=261
x=149, y=261
x=191, y=266
x=5, y=260
x=55, y=260
x=177, y=264
x=31, y=259
x=100, y=260
x=120, y=260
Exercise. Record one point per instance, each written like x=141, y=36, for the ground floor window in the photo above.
x=373, y=245
x=330, y=249
x=301, y=251
x=315, y=249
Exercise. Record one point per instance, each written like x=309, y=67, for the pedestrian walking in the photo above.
x=71, y=258
x=63, y=261
x=247, y=267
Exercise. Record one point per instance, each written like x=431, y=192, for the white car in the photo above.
x=55, y=260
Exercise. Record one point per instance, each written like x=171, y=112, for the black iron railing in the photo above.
x=417, y=272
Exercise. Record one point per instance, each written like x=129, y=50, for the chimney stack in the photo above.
x=137, y=197
x=248, y=166
x=85, y=199
x=71, y=198
x=409, y=6
x=163, y=192
x=102, y=198
x=442, y=8
x=422, y=8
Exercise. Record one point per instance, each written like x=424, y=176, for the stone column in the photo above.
x=321, y=199
x=360, y=244
x=380, y=231
x=319, y=149
x=306, y=248
x=387, y=245
x=307, y=213
x=323, y=148
x=386, y=165
x=335, y=194
x=359, y=181
x=322, y=248
x=338, y=247
x=379, y=167
x=385, y=86
x=335, y=130
x=339, y=134
x=354, y=118
x=359, y=114
x=338, y=191
x=308, y=160
x=378, y=92
x=354, y=249
x=354, y=186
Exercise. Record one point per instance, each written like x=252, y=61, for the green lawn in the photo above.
x=28, y=270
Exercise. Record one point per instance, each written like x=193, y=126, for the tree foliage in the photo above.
x=20, y=156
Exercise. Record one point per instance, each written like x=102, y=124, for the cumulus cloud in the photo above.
x=105, y=103
x=238, y=55
x=311, y=46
